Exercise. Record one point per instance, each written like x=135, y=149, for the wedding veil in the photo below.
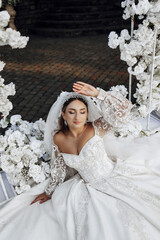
x=52, y=126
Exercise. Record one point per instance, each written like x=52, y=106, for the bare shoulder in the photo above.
x=58, y=138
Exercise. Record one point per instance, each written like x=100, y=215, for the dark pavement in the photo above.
x=48, y=65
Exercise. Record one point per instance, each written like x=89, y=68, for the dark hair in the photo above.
x=62, y=126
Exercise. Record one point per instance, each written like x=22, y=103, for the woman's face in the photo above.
x=76, y=114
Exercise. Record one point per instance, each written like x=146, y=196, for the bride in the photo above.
x=90, y=195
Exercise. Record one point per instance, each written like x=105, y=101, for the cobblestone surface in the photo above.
x=48, y=65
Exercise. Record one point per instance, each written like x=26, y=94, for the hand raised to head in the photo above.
x=85, y=89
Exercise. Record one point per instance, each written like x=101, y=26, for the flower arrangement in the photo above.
x=22, y=153
x=136, y=51
x=14, y=39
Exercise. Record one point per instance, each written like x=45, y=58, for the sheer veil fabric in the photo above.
x=55, y=112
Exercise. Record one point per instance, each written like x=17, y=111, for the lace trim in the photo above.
x=58, y=171
x=115, y=111
x=127, y=186
x=81, y=214
x=124, y=169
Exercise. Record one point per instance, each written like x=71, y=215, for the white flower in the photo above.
x=1, y=82
x=125, y=34
x=16, y=154
x=6, y=164
x=4, y=19
x=28, y=157
x=3, y=37
x=10, y=88
x=25, y=127
x=2, y=64
x=113, y=40
x=15, y=119
x=16, y=137
x=37, y=147
x=120, y=89
x=39, y=177
x=3, y=123
x=15, y=40
x=3, y=143
x=39, y=125
x=143, y=111
x=34, y=170
x=22, y=188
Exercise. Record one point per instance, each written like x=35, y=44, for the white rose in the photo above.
x=34, y=170
x=37, y=147
x=16, y=137
x=39, y=178
x=4, y=19
x=25, y=127
x=28, y=157
x=15, y=119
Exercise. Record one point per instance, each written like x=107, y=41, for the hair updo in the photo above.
x=62, y=126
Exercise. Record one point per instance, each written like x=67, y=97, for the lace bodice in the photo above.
x=92, y=163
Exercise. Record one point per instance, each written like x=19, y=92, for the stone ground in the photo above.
x=48, y=65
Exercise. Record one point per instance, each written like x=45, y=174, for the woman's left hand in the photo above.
x=85, y=89
x=41, y=198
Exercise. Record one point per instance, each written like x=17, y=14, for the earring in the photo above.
x=65, y=122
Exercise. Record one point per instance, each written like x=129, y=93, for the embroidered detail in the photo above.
x=133, y=220
x=127, y=186
x=81, y=214
x=58, y=170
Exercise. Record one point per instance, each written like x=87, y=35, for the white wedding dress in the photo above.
x=105, y=199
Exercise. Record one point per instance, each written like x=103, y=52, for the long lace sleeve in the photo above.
x=115, y=110
x=58, y=170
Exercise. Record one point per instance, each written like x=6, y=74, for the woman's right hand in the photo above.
x=85, y=89
x=42, y=198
